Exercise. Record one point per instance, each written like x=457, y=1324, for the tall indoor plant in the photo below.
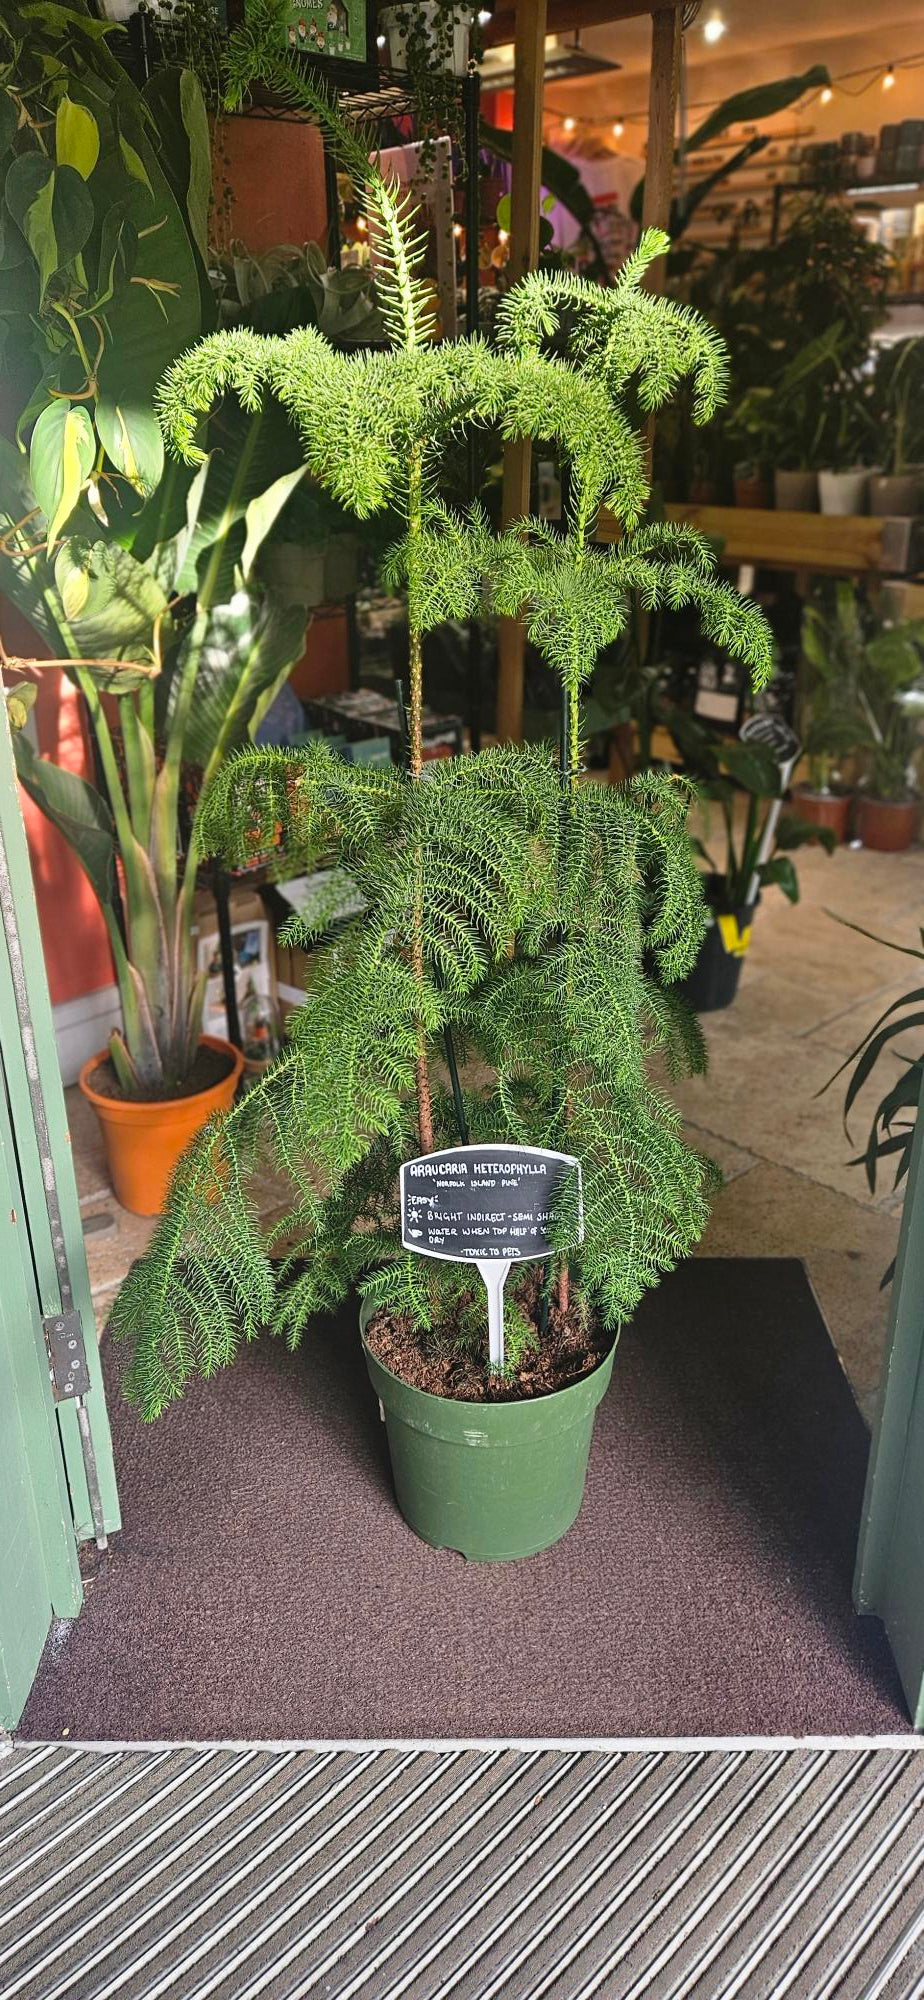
x=507, y=907
x=138, y=578
x=757, y=848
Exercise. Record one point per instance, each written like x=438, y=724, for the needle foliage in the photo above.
x=540, y=921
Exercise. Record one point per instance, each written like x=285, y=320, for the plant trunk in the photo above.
x=415, y=767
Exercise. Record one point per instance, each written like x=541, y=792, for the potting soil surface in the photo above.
x=265, y=1586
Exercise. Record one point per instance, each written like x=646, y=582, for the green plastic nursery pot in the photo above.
x=496, y=1481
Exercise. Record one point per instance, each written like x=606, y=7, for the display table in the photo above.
x=830, y=544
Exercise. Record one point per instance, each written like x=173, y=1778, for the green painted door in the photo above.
x=890, y=1559
x=48, y=1436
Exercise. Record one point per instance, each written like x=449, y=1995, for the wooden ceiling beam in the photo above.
x=565, y=16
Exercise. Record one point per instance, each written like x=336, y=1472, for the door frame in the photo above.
x=48, y=1500
x=889, y=1577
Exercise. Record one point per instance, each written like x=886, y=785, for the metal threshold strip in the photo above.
x=467, y=1869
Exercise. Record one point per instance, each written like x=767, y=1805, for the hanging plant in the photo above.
x=430, y=40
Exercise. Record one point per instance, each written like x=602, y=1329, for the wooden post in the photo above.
x=662, y=115
x=529, y=69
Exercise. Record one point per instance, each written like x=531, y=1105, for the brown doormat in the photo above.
x=266, y=1587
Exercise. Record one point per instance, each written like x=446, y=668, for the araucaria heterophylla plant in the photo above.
x=510, y=913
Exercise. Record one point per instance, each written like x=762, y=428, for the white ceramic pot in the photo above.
x=843, y=492
x=397, y=39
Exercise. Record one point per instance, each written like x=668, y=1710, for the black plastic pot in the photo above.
x=713, y=982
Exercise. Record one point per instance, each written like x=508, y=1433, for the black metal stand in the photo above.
x=332, y=198
x=226, y=947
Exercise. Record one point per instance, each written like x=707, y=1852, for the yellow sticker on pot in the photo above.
x=735, y=941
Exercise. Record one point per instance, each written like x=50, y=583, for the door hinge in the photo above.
x=67, y=1354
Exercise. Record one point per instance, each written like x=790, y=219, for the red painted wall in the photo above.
x=73, y=934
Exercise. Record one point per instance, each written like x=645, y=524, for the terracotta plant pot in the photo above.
x=843, y=492
x=795, y=492
x=894, y=493
x=823, y=808
x=751, y=492
x=887, y=825
x=704, y=492
x=144, y=1140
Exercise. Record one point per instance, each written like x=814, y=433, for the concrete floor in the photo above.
x=809, y=990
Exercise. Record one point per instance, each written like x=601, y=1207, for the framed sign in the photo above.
x=338, y=35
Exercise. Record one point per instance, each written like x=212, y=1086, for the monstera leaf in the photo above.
x=246, y=650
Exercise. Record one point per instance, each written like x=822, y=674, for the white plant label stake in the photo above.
x=491, y=1206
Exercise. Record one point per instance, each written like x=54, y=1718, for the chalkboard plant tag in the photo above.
x=541, y=922
x=491, y=1206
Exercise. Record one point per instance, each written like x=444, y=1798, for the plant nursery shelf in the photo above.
x=840, y=545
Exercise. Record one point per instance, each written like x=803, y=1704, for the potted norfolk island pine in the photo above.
x=513, y=965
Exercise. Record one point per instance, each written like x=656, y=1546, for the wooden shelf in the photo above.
x=832, y=544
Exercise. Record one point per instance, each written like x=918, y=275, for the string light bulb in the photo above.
x=827, y=94
x=380, y=41
x=569, y=124
x=618, y=128
x=713, y=28
x=888, y=81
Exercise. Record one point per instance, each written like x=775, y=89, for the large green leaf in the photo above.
x=249, y=454
x=122, y=599
x=29, y=192
x=760, y=100
x=72, y=214
x=745, y=107
x=176, y=101
x=76, y=809
x=52, y=207
x=780, y=873
x=156, y=314
x=263, y=512
x=131, y=435
x=76, y=137
x=246, y=651
x=61, y=457
x=752, y=765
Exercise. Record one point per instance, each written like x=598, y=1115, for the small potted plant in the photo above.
x=757, y=854
x=505, y=907
x=782, y=422
x=891, y=705
x=897, y=397
x=831, y=722
x=844, y=445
